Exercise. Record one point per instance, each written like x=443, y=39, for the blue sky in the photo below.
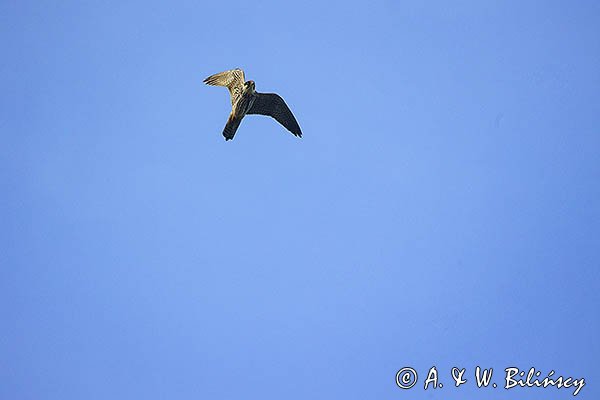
x=441, y=209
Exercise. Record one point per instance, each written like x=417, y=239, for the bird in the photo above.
x=246, y=100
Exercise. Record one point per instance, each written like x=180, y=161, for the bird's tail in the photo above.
x=231, y=127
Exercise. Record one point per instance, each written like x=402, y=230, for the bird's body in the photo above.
x=246, y=100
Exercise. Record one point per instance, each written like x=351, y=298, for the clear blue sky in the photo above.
x=441, y=209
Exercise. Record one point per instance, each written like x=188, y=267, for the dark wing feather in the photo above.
x=272, y=104
x=233, y=79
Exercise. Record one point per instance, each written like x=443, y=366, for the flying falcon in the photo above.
x=246, y=100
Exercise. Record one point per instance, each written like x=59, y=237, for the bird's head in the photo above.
x=250, y=85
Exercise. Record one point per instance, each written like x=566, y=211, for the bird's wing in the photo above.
x=233, y=79
x=272, y=104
